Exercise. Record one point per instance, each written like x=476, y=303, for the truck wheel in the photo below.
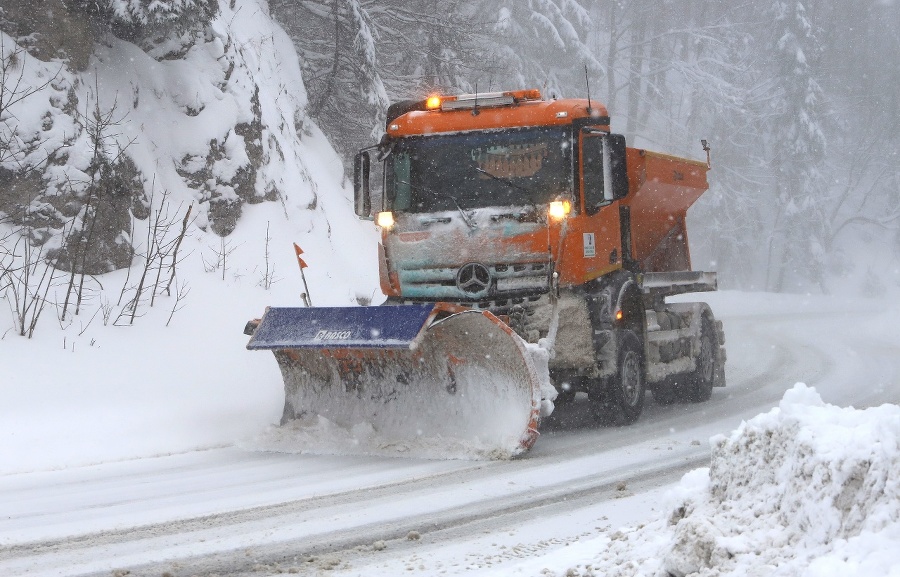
x=700, y=382
x=623, y=398
x=564, y=396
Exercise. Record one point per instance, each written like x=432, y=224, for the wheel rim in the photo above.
x=631, y=379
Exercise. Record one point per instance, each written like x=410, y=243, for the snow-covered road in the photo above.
x=234, y=511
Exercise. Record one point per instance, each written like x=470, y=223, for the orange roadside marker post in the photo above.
x=306, y=298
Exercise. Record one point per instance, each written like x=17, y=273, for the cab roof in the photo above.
x=496, y=110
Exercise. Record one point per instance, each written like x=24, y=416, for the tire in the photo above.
x=700, y=382
x=623, y=398
x=564, y=397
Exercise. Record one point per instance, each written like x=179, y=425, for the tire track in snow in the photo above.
x=451, y=523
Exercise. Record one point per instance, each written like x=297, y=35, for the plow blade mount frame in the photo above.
x=428, y=379
x=342, y=327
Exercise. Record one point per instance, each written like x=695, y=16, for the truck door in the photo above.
x=599, y=228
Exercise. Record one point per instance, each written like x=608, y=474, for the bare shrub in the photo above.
x=160, y=254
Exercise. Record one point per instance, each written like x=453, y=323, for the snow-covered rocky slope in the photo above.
x=214, y=117
x=213, y=122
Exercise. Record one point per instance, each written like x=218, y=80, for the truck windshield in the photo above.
x=526, y=166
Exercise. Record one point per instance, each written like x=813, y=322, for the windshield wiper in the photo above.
x=466, y=218
x=528, y=199
x=504, y=181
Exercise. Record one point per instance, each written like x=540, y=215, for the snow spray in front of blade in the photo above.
x=469, y=390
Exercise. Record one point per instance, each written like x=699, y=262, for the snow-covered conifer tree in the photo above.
x=798, y=148
x=424, y=50
x=144, y=18
x=336, y=40
x=541, y=43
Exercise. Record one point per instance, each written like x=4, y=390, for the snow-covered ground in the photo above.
x=130, y=447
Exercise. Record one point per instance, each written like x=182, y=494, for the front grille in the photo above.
x=500, y=307
x=503, y=306
x=518, y=312
x=509, y=281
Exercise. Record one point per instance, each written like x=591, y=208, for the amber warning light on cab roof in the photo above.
x=484, y=99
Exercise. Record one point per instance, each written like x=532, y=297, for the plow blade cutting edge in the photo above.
x=422, y=380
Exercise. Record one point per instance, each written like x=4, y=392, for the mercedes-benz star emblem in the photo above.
x=473, y=278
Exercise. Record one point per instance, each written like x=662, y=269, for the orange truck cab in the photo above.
x=532, y=209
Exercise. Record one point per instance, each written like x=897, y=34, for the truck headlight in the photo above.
x=385, y=220
x=559, y=209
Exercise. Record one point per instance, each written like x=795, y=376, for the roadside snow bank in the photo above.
x=805, y=489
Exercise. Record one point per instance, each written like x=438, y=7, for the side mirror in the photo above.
x=614, y=158
x=361, y=192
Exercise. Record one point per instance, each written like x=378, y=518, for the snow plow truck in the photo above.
x=526, y=255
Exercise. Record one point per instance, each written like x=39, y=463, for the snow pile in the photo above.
x=805, y=489
x=540, y=356
x=317, y=435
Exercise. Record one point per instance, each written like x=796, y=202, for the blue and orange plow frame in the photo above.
x=432, y=374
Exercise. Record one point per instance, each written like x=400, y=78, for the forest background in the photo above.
x=800, y=102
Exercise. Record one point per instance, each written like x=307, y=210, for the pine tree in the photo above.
x=337, y=44
x=424, y=50
x=540, y=43
x=800, y=229
x=730, y=217
x=132, y=19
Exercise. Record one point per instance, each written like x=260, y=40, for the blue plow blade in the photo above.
x=379, y=327
x=427, y=379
